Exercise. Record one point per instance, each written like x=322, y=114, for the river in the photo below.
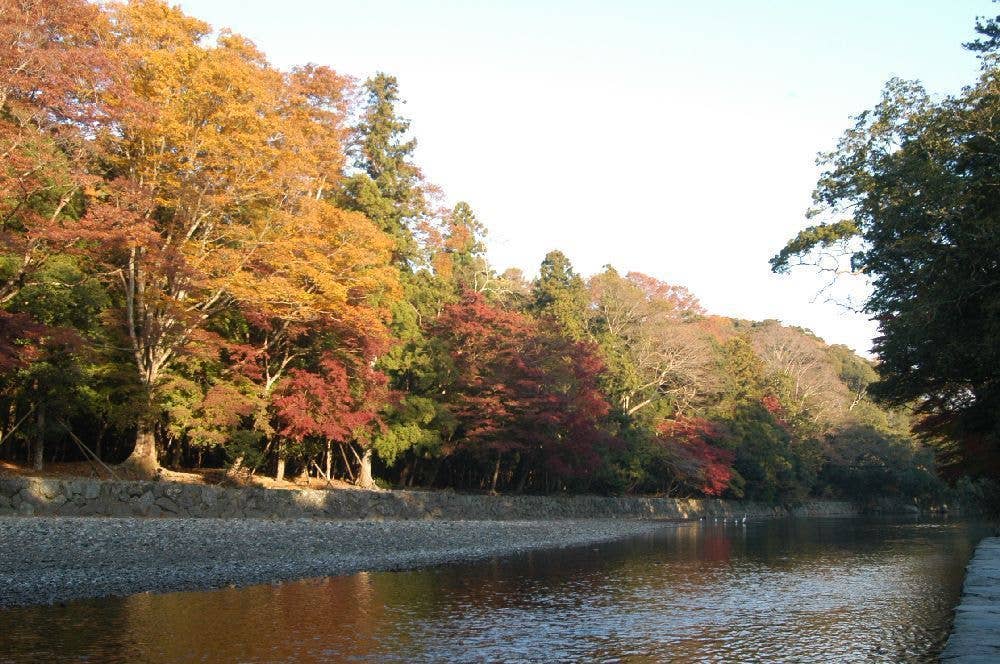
x=830, y=589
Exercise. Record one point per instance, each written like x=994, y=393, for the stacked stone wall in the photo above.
x=83, y=497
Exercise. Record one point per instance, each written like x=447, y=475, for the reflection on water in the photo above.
x=797, y=590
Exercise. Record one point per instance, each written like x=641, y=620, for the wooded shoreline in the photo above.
x=211, y=263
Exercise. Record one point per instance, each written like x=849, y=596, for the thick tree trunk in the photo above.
x=38, y=453
x=279, y=474
x=143, y=461
x=365, y=479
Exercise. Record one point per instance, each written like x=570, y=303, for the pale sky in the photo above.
x=673, y=138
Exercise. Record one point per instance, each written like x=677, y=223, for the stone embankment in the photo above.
x=29, y=496
x=975, y=636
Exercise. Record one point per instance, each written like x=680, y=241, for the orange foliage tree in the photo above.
x=54, y=69
x=227, y=161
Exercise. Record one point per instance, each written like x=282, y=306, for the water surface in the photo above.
x=781, y=590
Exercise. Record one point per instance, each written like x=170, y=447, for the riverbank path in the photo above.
x=975, y=636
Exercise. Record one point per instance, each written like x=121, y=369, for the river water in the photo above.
x=832, y=590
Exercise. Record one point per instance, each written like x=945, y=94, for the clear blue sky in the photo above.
x=673, y=138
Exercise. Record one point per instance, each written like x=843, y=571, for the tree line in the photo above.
x=206, y=261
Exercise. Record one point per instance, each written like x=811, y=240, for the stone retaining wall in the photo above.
x=83, y=497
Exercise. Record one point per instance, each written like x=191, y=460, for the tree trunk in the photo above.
x=279, y=474
x=496, y=475
x=365, y=479
x=404, y=473
x=98, y=446
x=329, y=459
x=347, y=464
x=39, y=451
x=143, y=460
x=235, y=468
x=524, y=469
x=413, y=473
x=176, y=455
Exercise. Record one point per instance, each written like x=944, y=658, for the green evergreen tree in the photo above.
x=560, y=293
x=466, y=249
x=388, y=187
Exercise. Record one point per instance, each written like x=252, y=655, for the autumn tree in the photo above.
x=329, y=283
x=319, y=403
x=692, y=456
x=802, y=376
x=227, y=159
x=511, y=289
x=460, y=259
x=54, y=66
x=656, y=352
x=55, y=71
x=521, y=394
x=204, y=405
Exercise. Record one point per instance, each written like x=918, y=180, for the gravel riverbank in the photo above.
x=45, y=560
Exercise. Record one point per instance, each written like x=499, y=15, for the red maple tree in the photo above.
x=699, y=461
x=517, y=386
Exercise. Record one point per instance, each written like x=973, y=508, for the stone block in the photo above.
x=47, y=489
x=144, y=503
x=167, y=505
x=120, y=507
